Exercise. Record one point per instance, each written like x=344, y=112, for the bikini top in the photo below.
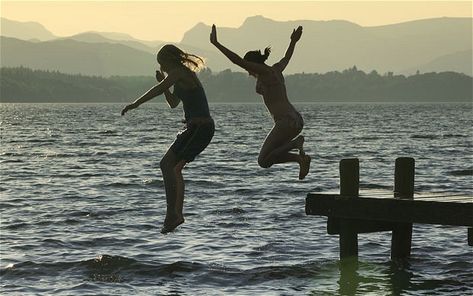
x=193, y=100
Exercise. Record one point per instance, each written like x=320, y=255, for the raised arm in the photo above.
x=155, y=91
x=171, y=99
x=295, y=36
x=234, y=58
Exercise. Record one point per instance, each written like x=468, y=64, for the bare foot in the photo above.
x=299, y=142
x=169, y=226
x=304, y=166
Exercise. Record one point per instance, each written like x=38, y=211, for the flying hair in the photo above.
x=172, y=53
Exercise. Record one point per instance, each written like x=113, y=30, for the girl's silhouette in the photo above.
x=180, y=68
x=288, y=123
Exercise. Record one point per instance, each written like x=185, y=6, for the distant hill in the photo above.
x=88, y=54
x=147, y=46
x=336, y=45
x=70, y=56
x=25, y=30
x=125, y=37
x=440, y=44
x=94, y=37
x=461, y=62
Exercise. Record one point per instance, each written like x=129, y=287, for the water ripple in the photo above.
x=80, y=180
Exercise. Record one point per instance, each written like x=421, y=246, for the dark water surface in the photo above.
x=82, y=202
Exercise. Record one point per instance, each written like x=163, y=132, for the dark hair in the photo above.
x=255, y=56
x=172, y=53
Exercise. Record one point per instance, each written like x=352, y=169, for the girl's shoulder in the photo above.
x=275, y=69
x=188, y=79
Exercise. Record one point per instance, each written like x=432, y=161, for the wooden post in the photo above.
x=349, y=187
x=404, y=177
x=404, y=189
x=349, y=177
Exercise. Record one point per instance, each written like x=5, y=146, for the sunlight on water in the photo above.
x=82, y=202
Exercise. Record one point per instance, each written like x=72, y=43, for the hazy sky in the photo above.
x=168, y=20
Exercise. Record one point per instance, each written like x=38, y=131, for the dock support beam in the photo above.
x=403, y=189
x=349, y=187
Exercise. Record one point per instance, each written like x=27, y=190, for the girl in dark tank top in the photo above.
x=194, y=101
x=180, y=68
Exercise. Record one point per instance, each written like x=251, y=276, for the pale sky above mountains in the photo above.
x=169, y=20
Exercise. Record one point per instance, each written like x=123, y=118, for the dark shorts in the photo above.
x=193, y=140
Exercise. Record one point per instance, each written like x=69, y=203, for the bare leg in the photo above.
x=296, y=143
x=171, y=184
x=169, y=176
x=276, y=149
x=180, y=190
x=303, y=161
x=287, y=157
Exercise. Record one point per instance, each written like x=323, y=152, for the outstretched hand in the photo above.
x=213, y=35
x=128, y=107
x=296, y=34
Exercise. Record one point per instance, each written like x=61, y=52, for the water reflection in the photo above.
x=364, y=278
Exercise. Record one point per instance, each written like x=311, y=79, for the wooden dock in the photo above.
x=351, y=212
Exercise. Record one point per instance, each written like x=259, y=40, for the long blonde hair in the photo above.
x=172, y=53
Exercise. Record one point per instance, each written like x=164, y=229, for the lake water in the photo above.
x=82, y=202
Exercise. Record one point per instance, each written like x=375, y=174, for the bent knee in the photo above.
x=165, y=164
x=264, y=163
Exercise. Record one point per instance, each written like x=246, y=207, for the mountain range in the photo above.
x=429, y=45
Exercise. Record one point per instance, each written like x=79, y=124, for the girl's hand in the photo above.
x=159, y=76
x=296, y=34
x=213, y=35
x=129, y=107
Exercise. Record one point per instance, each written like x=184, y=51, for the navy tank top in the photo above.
x=194, y=101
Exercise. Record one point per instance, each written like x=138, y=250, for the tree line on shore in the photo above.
x=20, y=84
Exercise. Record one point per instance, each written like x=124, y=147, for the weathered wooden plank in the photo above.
x=377, y=195
x=361, y=226
x=393, y=210
x=441, y=195
x=458, y=199
x=438, y=196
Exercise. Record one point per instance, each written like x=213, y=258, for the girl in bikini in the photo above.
x=180, y=68
x=288, y=123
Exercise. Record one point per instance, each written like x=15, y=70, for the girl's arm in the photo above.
x=155, y=91
x=234, y=58
x=295, y=36
x=171, y=99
